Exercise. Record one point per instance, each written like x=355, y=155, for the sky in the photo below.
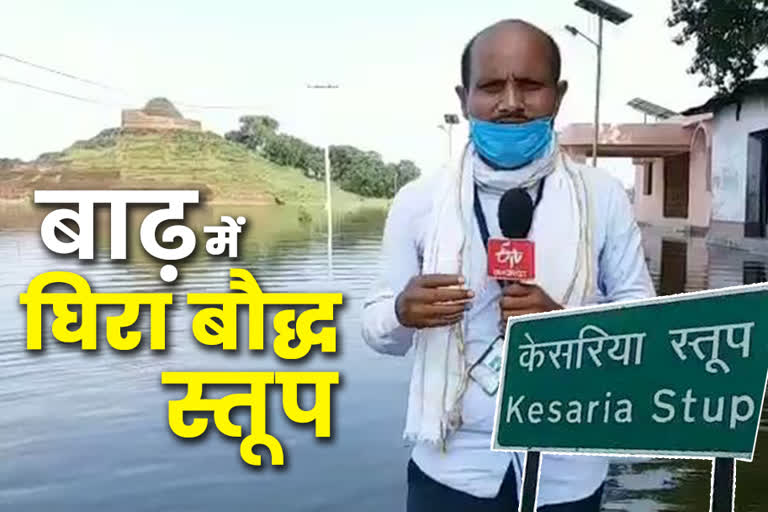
x=396, y=64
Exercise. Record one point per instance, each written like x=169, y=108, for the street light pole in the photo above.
x=604, y=11
x=328, y=200
x=599, y=46
x=597, y=88
x=450, y=121
x=447, y=130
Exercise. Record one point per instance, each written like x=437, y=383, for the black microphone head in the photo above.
x=515, y=213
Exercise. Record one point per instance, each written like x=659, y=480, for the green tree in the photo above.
x=293, y=152
x=365, y=173
x=254, y=131
x=354, y=170
x=729, y=36
x=406, y=172
x=343, y=159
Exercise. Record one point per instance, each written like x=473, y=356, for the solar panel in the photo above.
x=451, y=118
x=652, y=109
x=605, y=10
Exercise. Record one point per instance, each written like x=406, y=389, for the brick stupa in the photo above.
x=158, y=114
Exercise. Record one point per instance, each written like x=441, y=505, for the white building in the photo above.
x=739, y=160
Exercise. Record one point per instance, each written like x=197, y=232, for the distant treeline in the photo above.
x=354, y=170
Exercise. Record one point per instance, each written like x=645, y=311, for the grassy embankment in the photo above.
x=226, y=173
x=233, y=173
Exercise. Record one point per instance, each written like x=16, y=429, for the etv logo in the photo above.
x=509, y=254
x=511, y=259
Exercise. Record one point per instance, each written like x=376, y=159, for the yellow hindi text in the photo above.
x=86, y=333
x=217, y=325
x=256, y=383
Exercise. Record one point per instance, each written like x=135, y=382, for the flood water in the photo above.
x=89, y=432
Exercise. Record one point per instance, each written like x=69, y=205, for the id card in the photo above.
x=486, y=371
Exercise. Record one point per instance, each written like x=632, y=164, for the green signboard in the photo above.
x=680, y=376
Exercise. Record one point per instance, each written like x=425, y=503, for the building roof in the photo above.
x=748, y=88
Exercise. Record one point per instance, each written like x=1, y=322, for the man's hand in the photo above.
x=521, y=299
x=433, y=300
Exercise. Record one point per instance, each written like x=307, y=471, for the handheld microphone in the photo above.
x=512, y=258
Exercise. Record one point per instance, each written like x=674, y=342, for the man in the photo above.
x=434, y=294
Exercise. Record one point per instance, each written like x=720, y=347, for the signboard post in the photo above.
x=530, y=482
x=681, y=376
x=723, y=485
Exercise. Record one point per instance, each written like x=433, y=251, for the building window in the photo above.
x=648, y=179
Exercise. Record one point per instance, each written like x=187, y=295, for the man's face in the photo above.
x=511, y=79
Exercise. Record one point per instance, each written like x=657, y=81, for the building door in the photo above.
x=676, y=182
x=756, y=221
x=763, y=171
x=764, y=183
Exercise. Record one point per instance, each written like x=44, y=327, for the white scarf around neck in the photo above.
x=439, y=377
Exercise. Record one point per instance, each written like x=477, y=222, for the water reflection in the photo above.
x=90, y=432
x=677, y=265
x=651, y=486
x=85, y=433
x=674, y=268
x=754, y=272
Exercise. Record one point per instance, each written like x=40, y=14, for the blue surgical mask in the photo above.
x=508, y=145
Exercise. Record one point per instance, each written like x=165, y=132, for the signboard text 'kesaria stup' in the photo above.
x=681, y=376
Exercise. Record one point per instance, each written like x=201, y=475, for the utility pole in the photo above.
x=328, y=200
x=394, y=193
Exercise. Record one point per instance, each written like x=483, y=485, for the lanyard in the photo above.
x=483, y=224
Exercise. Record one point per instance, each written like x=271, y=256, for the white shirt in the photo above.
x=469, y=465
